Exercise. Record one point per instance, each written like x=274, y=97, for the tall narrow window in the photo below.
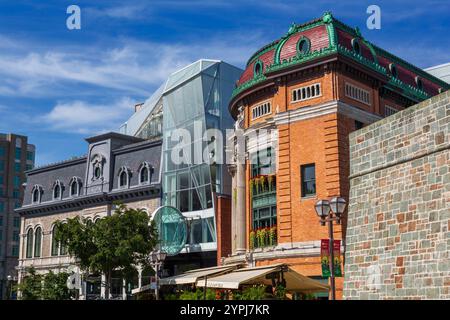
x=37, y=242
x=29, y=253
x=308, y=178
x=74, y=188
x=55, y=244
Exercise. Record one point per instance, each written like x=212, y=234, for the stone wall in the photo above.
x=398, y=238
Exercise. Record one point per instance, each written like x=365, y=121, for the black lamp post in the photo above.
x=157, y=260
x=329, y=211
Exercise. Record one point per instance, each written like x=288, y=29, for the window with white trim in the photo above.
x=357, y=93
x=261, y=110
x=307, y=92
x=389, y=111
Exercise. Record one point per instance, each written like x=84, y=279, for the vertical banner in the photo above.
x=325, y=257
x=337, y=258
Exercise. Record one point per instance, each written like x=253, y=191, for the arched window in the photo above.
x=419, y=83
x=393, y=70
x=75, y=185
x=36, y=194
x=303, y=46
x=258, y=68
x=124, y=177
x=55, y=244
x=356, y=46
x=37, y=242
x=145, y=173
x=29, y=249
x=57, y=190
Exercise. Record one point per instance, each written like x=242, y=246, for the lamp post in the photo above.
x=157, y=260
x=10, y=283
x=330, y=211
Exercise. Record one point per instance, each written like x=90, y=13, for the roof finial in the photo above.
x=327, y=17
x=292, y=28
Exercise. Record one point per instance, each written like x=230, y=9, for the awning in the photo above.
x=191, y=277
x=247, y=276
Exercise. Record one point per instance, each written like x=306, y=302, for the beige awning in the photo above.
x=248, y=276
x=191, y=277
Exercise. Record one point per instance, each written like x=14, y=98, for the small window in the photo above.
x=419, y=83
x=97, y=172
x=36, y=196
x=308, y=176
x=74, y=188
x=356, y=46
x=258, y=68
x=123, y=179
x=57, y=192
x=389, y=111
x=55, y=244
x=303, y=46
x=144, y=176
x=261, y=110
x=306, y=93
x=393, y=70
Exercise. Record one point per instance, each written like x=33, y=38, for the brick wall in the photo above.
x=398, y=238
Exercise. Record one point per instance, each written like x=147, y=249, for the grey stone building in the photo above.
x=16, y=156
x=398, y=233
x=117, y=167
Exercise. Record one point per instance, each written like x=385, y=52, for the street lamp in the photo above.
x=10, y=279
x=156, y=260
x=329, y=211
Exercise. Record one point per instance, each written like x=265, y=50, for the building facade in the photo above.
x=398, y=234
x=295, y=105
x=116, y=168
x=192, y=101
x=16, y=156
x=441, y=71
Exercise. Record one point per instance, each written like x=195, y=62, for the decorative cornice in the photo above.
x=319, y=110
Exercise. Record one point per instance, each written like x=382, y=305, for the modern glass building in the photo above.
x=195, y=180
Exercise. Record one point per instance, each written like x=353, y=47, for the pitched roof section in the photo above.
x=328, y=36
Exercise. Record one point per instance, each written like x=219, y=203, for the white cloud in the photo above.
x=85, y=118
x=127, y=66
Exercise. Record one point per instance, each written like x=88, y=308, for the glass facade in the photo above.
x=195, y=100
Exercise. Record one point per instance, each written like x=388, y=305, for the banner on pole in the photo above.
x=337, y=258
x=325, y=257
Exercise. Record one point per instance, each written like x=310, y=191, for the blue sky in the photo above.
x=58, y=86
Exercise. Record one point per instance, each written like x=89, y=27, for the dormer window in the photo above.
x=36, y=194
x=124, y=177
x=57, y=190
x=355, y=45
x=97, y=163
x=145, y=173
x=75, y=185
x=419, y=83
x=393, y=70
x=258, y=68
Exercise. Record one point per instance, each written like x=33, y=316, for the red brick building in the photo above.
x=310, y=88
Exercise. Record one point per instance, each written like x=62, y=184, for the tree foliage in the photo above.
x=113, y=243
x=51, y=286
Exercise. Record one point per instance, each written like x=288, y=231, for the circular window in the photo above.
x=355, y=45
x=419, y=83
x=393, y=70
x=303, y=46
x=258, y=68
x=97, y=172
